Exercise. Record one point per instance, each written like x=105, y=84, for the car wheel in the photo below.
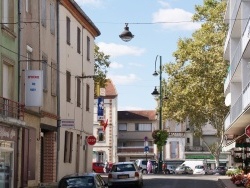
x=144, y=171
x=167, y=172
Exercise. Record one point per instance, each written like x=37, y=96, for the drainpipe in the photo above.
x=58, y=90
x=18, y=85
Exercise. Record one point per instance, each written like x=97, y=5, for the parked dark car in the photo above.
x=86, y=180
x=220, y=170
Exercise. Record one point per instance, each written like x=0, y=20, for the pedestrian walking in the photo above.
x=106, y=167
x=149, y=166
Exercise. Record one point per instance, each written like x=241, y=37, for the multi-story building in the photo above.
x=182, y=145
x=236, y=86
x=135, y=135
x=38, y=90
x=106, y=145
x=76, y=69
x=11, y=110
x=46, y=92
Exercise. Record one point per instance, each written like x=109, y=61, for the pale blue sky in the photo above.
x=157, y=26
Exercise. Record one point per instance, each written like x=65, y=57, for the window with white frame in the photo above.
x=28, y=6
x=143, y=127
x=100, y=155
x=8, y=14
x=122, y=127
x=29, y=57
x=101, y=135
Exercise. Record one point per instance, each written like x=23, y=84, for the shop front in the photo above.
x=8, y=156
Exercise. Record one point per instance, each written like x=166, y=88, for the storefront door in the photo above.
x=6, y=163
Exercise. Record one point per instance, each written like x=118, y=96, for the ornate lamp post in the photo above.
x=156, y=93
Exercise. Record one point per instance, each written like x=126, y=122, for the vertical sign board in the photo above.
x=247, y=130
x=100, y=109
x=33, y=88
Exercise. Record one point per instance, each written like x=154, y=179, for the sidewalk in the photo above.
x=225, y=182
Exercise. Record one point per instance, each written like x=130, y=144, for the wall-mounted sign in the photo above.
x=100, y=109
x=34, y=88
x=67, y=123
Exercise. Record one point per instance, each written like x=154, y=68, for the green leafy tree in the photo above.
x=160, y=138
x=102, y=63
x=195, y=83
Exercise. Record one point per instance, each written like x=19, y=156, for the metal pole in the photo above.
x=160, y=120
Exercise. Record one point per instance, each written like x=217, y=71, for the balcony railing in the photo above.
x=133, y=150
x=246, y=96
x=236, y=109
x=195, y=148
x=9, y=108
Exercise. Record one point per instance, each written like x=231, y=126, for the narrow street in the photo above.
x=179, y=181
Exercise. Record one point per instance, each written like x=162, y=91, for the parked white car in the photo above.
x=199, y=169
x=125, y=174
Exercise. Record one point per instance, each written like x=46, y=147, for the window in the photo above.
x=8, y=14
x=53, y=79
x=52, y=18
x=43, y=12
x=174, y=149
x=122, y=127
x=188, y=140
x=45, y=72
x=78, y=40
x=68, y=147
x=28, y=6
x=68, y=86
x=100, y=156
x=68, y=30
x=100, y=134
x=143, y=127
x=87, y=97
x=28, y=57
x=88, y=48
x=78, y=92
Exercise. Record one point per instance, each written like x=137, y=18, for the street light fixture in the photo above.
x=157, y=93
x=126, y=35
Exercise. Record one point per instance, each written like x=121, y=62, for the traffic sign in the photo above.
x=247, y=130
x=146, y=148
x=91, y=140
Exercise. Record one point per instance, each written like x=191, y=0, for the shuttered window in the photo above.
x=68, y=147
x=78, y=40
x=87, y=97
x=43, y=12
x=52, y=18
x=53, y=79
x=78, y=92
x=88, y=48
x=68, y=30
x=68, y=86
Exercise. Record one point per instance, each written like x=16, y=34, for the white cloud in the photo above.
x=135, y=65
x=115, y=65
x=123, y=79
x=95, y=3
x=115, y=50
x=176, y=19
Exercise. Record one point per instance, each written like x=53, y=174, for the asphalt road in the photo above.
x=180, y=181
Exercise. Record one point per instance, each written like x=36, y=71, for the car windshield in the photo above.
x=123, y=168
x=83, y=182
x=199, y=167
